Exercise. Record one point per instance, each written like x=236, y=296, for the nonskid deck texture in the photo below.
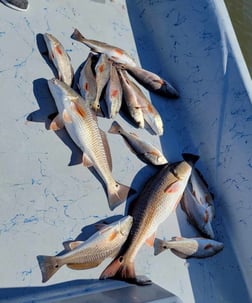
x=48, y=197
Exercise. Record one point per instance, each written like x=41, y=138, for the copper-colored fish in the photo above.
x=114, y=53
x=159, y=197
x=113, y=96
x=144, y=150
x=189, y=247
x=102, y=73
x=81, y=124
x=87, y=81
x=150, y=114
x=151, y=81
x=105, y=243
x=60, y=58
x=131, y=100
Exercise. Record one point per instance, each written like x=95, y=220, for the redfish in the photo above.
x=113, y=52
x=151, y=81
x=81, y=124
x=144, y=150
x=159, y=197
x=60, y=58
x=189, y=247
x=105, y=243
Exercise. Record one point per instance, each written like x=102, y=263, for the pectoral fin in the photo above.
x=151, y=239
x=57, y=123
x=70, y=245
x=86, y=160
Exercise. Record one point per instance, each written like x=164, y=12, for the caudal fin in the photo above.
x=159, y=246
x=119, y=269
x=76, y=35
x=48, y=266
x=118, y=195
x=115, y=128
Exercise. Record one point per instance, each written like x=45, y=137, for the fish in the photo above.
x=130, y=99
x=105, y=243
x=189, y=247
x=158, y=199
x=144, y=150
x=197, y=214
x=150, y=114
x=200, y=190
x=81, y=124
x=113, y=96
x=151, y=81
x=60, y=58
x=87, y=81
x=102, y=74
x=113, y=52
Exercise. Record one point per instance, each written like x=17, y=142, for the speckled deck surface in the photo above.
x=48, y=197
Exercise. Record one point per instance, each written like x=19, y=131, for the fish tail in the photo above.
x=190, y=158
x=48, y=266
x=120, y=269
x=168, y=90
x=159, y=246
x=115, y=128
x=76, y=35
x=118, y=195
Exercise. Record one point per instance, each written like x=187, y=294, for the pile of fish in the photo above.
x=110, y=74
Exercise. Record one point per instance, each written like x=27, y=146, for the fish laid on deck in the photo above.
x=130, y=100
x=114, y=53
x=113, y=96
x=198, y=205
x=189, y=247
x=105, y=243
x=87, y=81
x=144, y=150
x=102, y=73
x=151, y=81
x=150, y=114
x=60, y=58
x=81, y=124
x=159, y=197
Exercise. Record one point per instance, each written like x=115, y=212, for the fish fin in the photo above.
x=76, y=35
x=150, y=240
x=106, y=148
x=66, y=117
x=80, y=266
x=115, y=128
x=60, y=76
x=77, y=108
x=176, y=238
x=179, y=254
x=119, y=269
x=159, y=246
x=57, y=123
x=86, y=160
x=100, y=226
x=190, y=158
x=48, y=266
x=70, y=245
x=172, y=188
x=118, y=195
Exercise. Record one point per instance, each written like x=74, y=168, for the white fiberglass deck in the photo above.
x=48, y=197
